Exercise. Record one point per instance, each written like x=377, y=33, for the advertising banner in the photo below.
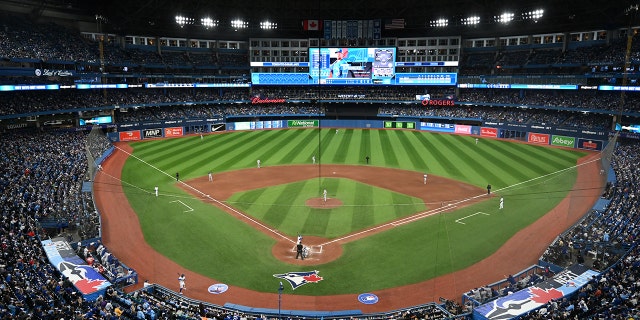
x=152, y=133
x=130, y=135
x=563, y=141
x=173, y=132
x=590, y=144
x=489, y=132
x=463, y=129
x=302, y=123
x=440, y=127
x=538, y=138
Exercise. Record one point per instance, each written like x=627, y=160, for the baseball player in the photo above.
x=258, y=162
x=425, y=178
x=324, y=195
x=156, y=190
x=210, y=176
x=313, y=159
x=501, y=203
x=181, y=282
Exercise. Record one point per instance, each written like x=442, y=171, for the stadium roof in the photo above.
x=157, y=17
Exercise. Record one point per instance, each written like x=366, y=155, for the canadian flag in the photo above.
x=311, y=24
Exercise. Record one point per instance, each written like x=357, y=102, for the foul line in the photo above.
x=469, y=216
x=190, y=209
x=220, y=203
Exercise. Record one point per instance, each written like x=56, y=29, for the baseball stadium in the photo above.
x=324, y=160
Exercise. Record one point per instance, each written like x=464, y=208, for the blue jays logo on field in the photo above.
x=368, y=298
x=296, y=279
x=83, y=277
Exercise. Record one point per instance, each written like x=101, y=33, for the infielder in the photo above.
x=501, y=203
x=258, y=162
x=324, y=195
x=313, y=159
x=210, y=176
x=425, y=178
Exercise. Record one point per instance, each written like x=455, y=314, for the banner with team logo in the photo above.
x=84, y=277
x=519, y=303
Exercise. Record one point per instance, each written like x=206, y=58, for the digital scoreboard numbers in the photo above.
x=399, y=125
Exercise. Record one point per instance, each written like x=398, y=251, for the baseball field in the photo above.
x=382, y=225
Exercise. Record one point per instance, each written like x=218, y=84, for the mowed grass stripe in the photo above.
x=362, y=215
x=354, y=154
x=515, y=169
x=437, y=162
x=479, y=173
x=556, y=156
x=530, y=166
x=328, y=145
x=299, y=148
x=412, y=154
x=365, y=144
x=276, y=214
x=201, y=160
x=244, y=154
x=390, y=159
x=344, y=137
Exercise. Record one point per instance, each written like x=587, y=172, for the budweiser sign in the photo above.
x=258, y=100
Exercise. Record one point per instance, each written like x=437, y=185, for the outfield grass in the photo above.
x=211, y=242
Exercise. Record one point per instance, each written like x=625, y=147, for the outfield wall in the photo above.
x=531, y=133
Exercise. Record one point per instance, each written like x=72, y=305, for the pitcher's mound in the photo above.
x=319, y=203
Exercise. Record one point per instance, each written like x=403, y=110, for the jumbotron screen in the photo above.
x=350, y=66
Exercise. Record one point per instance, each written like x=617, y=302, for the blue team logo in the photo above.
x=297, y=279
x=368, y=298
x=218, y=288
x=518, y=303
x=83, y=277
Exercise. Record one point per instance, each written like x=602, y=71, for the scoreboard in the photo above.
x=399, y=125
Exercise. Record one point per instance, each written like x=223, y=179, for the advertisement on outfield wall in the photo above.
x=302, y=123
x=130, y=135
x=256, y=125
x=563, y=141
x=173, y=132
x=590, y=144
x=152, y=133
x=439, y=127
x=489, y=132
x=462, y=129
x=538, y=138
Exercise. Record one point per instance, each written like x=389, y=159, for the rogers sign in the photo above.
x=538, y=138
x=438, y=102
